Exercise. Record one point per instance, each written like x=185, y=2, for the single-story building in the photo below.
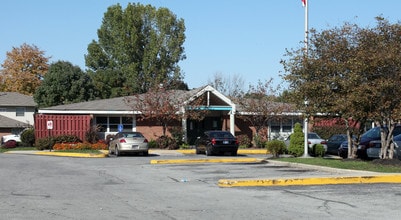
x=112, y=115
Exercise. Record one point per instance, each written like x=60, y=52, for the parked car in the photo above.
x=313, y=138
x=128, y=142
x=216, y=142
x=334, y=142
x=371, y=135
x=12, y=137
x=374, y=148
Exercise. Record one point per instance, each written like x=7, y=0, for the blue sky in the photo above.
x=231, y=37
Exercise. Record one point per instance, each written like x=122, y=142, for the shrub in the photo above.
x=152, y=144
x=44, y=143
x=28, y=137
x=244, y=141
x=177, y=134
x=276, y=147
x=91, y=135
x=184, y=146
x=296, y=146
x=165, y=142
x=67, y=139
x=318, y=150
x=48, y=142
x=259, y=141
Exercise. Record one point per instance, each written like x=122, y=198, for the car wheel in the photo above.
x=234, y=153
x=145, y=153
x=116, y=152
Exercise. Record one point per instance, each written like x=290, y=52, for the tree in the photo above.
x=139, y=47
x=348, y=73
x=231, y=85
x=64, y=84
x=259, y=105
x=24, y=68
x=296, y=146
x=167, y=106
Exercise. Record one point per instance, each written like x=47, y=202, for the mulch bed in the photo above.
x=387, y=162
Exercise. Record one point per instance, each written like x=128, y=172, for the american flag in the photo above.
x=303, y=3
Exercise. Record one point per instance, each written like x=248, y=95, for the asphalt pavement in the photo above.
x=329, y=176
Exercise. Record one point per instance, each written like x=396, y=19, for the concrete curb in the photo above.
x=310, y=181
x=338, y=177
x=208, y=160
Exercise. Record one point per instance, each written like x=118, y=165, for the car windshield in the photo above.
x=313, y=136
x=372, y=133
x=221, y=135
x=133, y=135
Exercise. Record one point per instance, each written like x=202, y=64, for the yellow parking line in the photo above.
x=207, y=160
x=310, y=181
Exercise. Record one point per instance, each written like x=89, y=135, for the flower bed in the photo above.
x=80, y=146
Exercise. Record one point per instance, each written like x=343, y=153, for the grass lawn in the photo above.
x=382, y=166
x=2, y=150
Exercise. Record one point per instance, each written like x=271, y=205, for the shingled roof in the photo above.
x=108, y=106
x=6, y=122
x=13, y=99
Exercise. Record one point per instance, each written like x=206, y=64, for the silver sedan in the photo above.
x=128, y=142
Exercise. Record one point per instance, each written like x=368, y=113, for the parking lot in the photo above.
x=131, y=187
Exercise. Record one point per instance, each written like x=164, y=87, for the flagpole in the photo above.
x=306, y=26
x=306, y=142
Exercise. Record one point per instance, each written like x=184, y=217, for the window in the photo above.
x=20, y=112
x=275, y=125
x=102, y=122
x=110, y=124
x=287, y=125
x=127, y=123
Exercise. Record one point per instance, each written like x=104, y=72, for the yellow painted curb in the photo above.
x=240, y=151
x=67, y=154
x=311, y=181
x=261, y=151
x=217, y=160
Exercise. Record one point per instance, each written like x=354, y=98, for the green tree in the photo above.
x=297, y=138
x=23, y=69
x=351, y=73
x=63, y=84
x=138, y=47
